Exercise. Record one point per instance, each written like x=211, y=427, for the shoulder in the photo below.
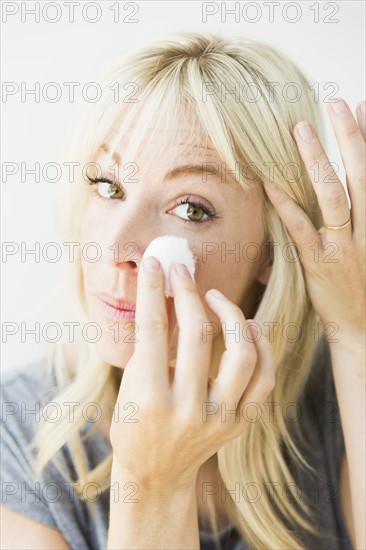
x=24, y=390
x=27, y=377
x=51, y=498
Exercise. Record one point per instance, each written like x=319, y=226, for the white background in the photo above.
x=80, y=52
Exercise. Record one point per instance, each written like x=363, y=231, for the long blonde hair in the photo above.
x=190, y=75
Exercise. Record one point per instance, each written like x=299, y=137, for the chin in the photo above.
x=117, y=343
x=119, y=355
x=117, y=340
x=114, y=354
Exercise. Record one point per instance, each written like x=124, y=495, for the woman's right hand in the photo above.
x=181, y=419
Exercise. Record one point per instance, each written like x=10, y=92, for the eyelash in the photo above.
x=211, y=213
x=94, y=181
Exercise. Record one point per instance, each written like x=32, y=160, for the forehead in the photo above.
x=161, y=151
x=189, y=145
x=159, y=137
x=200, y=164
x=156, y=127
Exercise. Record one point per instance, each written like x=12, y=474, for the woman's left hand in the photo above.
x=333, y=260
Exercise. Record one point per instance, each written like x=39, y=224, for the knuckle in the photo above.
x=153, y=283
x=282, y=199
x=251, y=355
x=268, y=382
x=360, y=177
x=351, y=131
x=335, y=198
x=190, y=288
x=199, y=320
x=156, y=323
x=155, y=407
x=190, y=419
x=317, y=154
x=196, y=327
x=237, y=313
x=299, y=225
x=196, y=335
x=237, y=309
x=246, y=356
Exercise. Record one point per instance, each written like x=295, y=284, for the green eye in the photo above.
x=196, y=212
x=113, y=190
x=199, y=212
x=107, y=188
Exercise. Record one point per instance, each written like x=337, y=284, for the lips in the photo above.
x=117, y=308
x=117, y=303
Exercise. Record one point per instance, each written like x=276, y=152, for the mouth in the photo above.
x=120, y=309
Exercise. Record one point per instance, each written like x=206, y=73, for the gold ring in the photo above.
x=338, y=226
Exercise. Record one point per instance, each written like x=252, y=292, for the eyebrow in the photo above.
x=193, y=169
x=190, y=169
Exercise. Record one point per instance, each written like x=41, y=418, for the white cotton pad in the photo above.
x=170, y=250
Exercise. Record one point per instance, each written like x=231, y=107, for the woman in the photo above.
x=212, y=418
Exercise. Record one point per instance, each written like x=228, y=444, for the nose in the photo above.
x=127, y=256
x=130, y=236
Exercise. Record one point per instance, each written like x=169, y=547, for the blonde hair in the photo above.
x=189, y=75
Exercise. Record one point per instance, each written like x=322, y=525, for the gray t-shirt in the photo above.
x=53, y=502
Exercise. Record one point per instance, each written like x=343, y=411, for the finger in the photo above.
x=261, y=383
x=193, y=353
x=361, y=117
x=352, y=148
x=237, y=361
x=263, y=380
x=296, y=221
x=151, y=350
x=330, y=192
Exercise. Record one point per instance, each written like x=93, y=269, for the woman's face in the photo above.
x=224, y=259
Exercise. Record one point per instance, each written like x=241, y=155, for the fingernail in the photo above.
x=362, y=108
x=151, y=264
x=182, y=271
x=306, y=131
x=216, y=294
x=340, y=108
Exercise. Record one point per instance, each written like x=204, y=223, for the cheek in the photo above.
x=91, y=230
x=227, y=272
x=93, y=244
x=115, y=342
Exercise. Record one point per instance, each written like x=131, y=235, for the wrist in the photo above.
x=353, y=342
x=147, y=486
x=159, y=515
x=349, y=345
